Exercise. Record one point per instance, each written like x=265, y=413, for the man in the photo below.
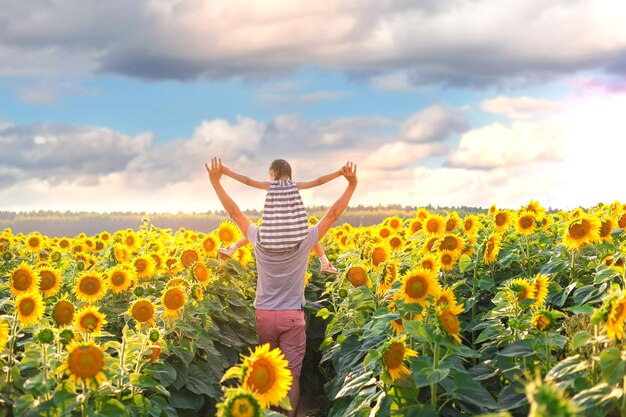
x=280, y=277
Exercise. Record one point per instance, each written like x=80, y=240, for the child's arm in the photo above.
x=321, y=180
x=263, y=185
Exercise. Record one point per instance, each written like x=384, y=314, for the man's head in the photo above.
x=280, y=170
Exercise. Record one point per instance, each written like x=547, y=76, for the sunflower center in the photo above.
x=449, y=243
x=357, y=276
x=543, y=322
x=378, y=256
x=500, y=219
x=394, y=355
x=415, y=226
x=242, y=408
x=200, y=272
x=605, y=229
x=526, y=222
x=90, y=285
x=21, y=280
x=447, y=259
x=428, y=264
x=86, y=361
x=432, y=226
x=450, y=225
x=226, y=235
x=384, y=233
x=118, y=278
x=47, y=280
x=89, y=322
x=142, y=311
x=189, y=258
x=174, y=299
x=579, y=230
x=262, y=376
x=524, y=294
x=490, y=246
x=63, y=312
x=27, y=306
x=209, y=245
x=417, y=287
x=64, y=244
x=130, y=241
x=622, y=221
x=449, y=322
x=33, y=242
x=141, y=265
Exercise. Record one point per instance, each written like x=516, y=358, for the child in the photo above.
x=284, y=223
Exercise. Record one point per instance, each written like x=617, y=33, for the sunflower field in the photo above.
x=507, y=313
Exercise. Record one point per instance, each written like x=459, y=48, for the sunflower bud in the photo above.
x=66, y=336
x=45, y=336
x=139, y=291
x=343, y=293
x=55, y=256
x=7, y=256
x=80, y=266
x=154, y=335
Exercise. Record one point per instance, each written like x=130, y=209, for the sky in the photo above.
x=116, y=105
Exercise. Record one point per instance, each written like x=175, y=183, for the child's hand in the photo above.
x=349, y=171
x=215, y=171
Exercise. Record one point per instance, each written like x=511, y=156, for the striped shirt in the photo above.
x=284, y=223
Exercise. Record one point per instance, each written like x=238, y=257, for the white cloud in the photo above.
x=394, y=81
x=397, y=155
x=521, y=107
x=431, y=124
x=497, y=145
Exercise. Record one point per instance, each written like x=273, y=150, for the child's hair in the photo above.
x=281, y=168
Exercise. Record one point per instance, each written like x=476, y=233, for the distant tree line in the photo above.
x=68, y=223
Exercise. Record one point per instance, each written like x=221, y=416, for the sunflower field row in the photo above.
x=512, y=312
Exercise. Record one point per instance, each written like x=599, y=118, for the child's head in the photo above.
x=280, y=170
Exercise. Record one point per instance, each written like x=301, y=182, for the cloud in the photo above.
x=395, y=44
x=433, y=123
x=521, y=107
x=396, y=155
x=497, y=145
x=294, y=94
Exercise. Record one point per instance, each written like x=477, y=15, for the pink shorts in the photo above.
x=284, y=329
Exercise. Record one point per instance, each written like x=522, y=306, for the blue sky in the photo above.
x=116, y=106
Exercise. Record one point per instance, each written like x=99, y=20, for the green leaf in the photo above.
x=186, y=400
x=326, y=343
x=597, y=395
x=464, y=262
x=353, y=383
x=373, y=355
x=613, y=364
x=518, y=349
x=323, y=313
x=583, y=309
x=567, y=368
x=113, y=408
x=580, y=339
x=199, y=380
x=423, y=373
x=512, y=396
x=468, y=390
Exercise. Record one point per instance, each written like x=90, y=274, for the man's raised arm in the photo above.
x=333, y=213
x=215, y=174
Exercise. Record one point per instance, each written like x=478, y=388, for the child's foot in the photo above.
x=227, y=252
x=329, y=269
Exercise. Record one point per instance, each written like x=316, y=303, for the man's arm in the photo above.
x=319, y=181
x=263, y=185
x=215, y=173
x=333, y=213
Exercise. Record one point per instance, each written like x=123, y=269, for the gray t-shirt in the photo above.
x=280, y=276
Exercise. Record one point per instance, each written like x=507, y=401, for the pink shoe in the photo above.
x=227, y=252
x=329, y=269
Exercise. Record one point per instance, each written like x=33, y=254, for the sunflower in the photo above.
x=522, y=289
x=121, y=277
x=471, y=225
x=210, y=244
x=540, y=289
x=227, y=232
x=526, y=223
x=312, y=220
x=142, y=310
x=492, y=209
x=4, y=334
x=542, y=319
x=63, y=312
x=64, y=244
x=503, y=219
x=243, y=255
x=581, y=231
x=434, y=225
x=189, y=257
x=394, y=354
x=378, y=254
x=131, y=240
x=617, y=314
x=535, y=208
x=388, y=277
x=24, y=279
x=447, y=260
x=492, y=248
x=396, y=242
x=453, y=222
x=449, y=321
x=621, y=221
x=145, y=267
x=357, y=276
x=201, y=273
x=239, y=403
x=446, y=297
x=50, y=282
x=430, y=263
x=418, y=284
x=121, y=253
x=158, y=260
x=153, y=352
x=452, y=243
x=415, y=225
x=34, y=242
x=84, y=363
x=89, y=320
x=422, y=213
x=607, y=224
x=266, y=375
x=104, y=236
x=394, y=222
x=430, y=247
x=384, y=231
x=29, y=308
x=173, y=299
x=90, y=287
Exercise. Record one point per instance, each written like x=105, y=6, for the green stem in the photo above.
x=139, y=360
x=433, y=387
x=571, y=271
x=12, y=337
x=548, y=353
x=122, y=364
x=623, y=411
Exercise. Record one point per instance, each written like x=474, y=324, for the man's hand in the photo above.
x=349, y=171
x=215, y=171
